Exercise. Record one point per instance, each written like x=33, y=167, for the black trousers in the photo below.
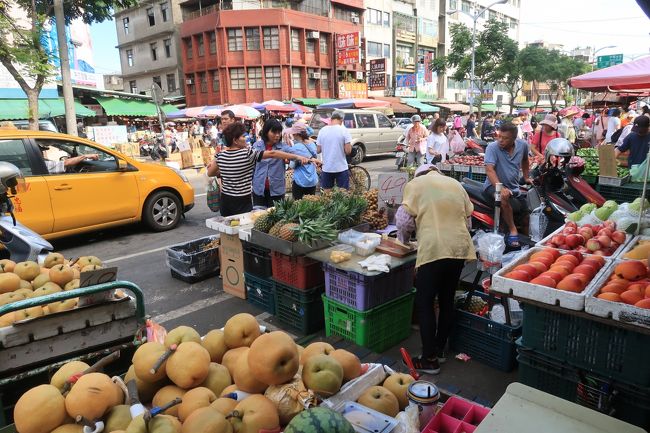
x=267, y=200
x=439, y=278
x=299, y=191
x=235, y=205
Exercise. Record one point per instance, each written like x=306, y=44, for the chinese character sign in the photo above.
x=348, y=40
x=407, y=80
x=349, y=56
x=353, y=90
x=377, y=66
x=377, y=81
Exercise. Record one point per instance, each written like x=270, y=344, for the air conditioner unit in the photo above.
x=313, y=35
x=355, y=20
x=189, y=81
x=314, y=75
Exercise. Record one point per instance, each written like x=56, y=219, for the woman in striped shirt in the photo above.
x=235, y=166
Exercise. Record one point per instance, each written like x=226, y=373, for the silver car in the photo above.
x=371, y=131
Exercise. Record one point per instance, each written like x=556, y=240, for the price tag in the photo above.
x=391, y=189
x=92, y=278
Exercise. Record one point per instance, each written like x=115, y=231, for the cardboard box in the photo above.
x=232, y=265
x=187, y=159
x=607, y=160
x=207, y=155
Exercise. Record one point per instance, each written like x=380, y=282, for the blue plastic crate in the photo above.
x=260, y=292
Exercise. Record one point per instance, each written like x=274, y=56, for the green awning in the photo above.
x=314, y=102
x=525, y=104
x=489, y=107
x=13, y=109
x=168, y=108
x=131, y=107
x=421, y=106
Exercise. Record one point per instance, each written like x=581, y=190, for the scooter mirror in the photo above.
x=11, y=179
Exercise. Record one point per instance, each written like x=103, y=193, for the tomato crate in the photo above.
x=299, y=309
x=364, y=292
x=485, y=340
x=376, y=329
x=257, y=260
x=260, y=292
x=300, y=272
x=610, y=351
x=627, y=402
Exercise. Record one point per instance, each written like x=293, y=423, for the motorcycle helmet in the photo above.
x=558, y=149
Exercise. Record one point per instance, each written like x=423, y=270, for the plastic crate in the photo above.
x=377, y=329
x=257, y=260
x=299, y=309
x=195, y=260
x=363, y=292
x=629, y=403
x=486, y=341
x=621, y=194
x=606, y=350
x=260, y=292
x=457, y=416
x=300, y=272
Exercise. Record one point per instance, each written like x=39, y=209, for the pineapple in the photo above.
x=316, y=230
x=275, y=230
x=288, y=232
x=266, y=221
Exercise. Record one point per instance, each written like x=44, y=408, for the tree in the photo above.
x=513, y=71
x=493, y=49
x=22, y=27
x=533, y=67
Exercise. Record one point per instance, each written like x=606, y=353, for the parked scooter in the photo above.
x=159, y=150
x=20, y=243
x=145, y=148
x=400, y=154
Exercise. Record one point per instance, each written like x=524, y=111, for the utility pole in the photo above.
x=64, y=61
x=417, y=48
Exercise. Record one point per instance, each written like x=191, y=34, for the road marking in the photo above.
x=129, y=256
x=191, y=308
x=200, y=195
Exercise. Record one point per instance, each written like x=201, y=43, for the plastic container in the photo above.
x=299, y=309
x=257, y=260
x=366, y=246
x=485, y=340
x=300, y=272
x=195, y=260
x=351, y=237
x=260, y=292
x=365, y=292
x=457, y=416
x=377, y=329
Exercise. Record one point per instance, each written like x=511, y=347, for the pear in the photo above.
x=206, y=419
x=118, y=418
x=145, y=358
x=218, y=378
x=215, y=344
x=53, y=259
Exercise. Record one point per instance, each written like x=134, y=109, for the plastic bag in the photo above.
x=290, y=398
x=409, y=420
x=637, y=171
x=590, y=218
x=456, y=143
x=490, y=247
x=537, y=224
x=213, y=194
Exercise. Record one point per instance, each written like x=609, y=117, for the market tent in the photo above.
x=453, y=107
x=421, y=106
x=313, y=102
x=13, y=109
x=397, y=106
x=355, y=103
x=131, y=107
x=178, y=114
x=634, y=75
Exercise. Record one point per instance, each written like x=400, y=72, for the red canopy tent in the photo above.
x=630, y=76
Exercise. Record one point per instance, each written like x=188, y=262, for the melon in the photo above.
x=319, y=420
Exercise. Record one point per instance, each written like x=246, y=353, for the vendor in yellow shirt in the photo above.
x=437, y=208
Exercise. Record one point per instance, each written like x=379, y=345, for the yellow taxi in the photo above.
x=74, y=185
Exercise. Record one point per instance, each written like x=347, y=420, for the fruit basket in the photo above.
x=629, y=304
x=584, y=239
x=195, y=260
x=571, y=288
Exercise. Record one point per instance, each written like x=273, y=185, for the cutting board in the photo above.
x=393, y=249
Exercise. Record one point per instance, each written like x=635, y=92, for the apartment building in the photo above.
x=148, y=41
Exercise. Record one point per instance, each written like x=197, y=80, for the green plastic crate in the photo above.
x=260, y=292
x=376, y=329
x=299, y=309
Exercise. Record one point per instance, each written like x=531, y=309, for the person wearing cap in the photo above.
x=547, y=133
x=305, y=177
x=416, y=135
x=637, y=141
x=566, y=128
x=334, y=143
x=438, y=208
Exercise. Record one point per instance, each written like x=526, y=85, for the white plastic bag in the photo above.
x=590, y=218
x=537, y=224
x=490, y=247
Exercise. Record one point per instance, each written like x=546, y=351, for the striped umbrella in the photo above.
x=243, y=111
x=194, y=111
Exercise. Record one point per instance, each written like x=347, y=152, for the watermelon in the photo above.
x=319, y=420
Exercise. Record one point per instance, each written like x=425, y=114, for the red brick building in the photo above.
x=238, y=56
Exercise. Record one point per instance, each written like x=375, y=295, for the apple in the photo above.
x=605, y=241
x=571, y=224
x=558, y=240
x=570, y=230
x=605, y=232
x=586, y=233
x=610, y=225
x=593, y=245
x=322, y=374
x=619, y=236
x=574, y=241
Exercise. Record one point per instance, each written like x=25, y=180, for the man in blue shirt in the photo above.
x=637, y=141
x=505, y=159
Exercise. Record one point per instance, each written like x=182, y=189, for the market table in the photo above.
x=352, y=265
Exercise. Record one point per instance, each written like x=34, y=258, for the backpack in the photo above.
x=616, y=135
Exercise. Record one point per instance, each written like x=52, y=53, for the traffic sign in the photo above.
x=609, y=60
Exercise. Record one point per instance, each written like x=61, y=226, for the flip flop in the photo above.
x=513, y=241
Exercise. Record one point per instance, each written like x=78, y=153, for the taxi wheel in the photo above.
x=162, y=211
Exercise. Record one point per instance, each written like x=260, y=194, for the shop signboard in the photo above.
x=428, y=73
x=348, y=49
x=406, y=92
x=406, y=80
x=377, y=66
x=352, y=90
x=487, y=95
x=391, y=188
x=377, y=81
x=347, y=40
x=350, y=56
x=108, y=135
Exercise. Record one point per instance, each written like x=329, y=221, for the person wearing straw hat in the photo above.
x=566, y=128
x=547, y=133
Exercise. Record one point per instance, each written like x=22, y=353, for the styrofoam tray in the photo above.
x=545, y=295
x=219, y=224
x=620, y=250
x=614, y=310
x=630, y=246
x=366, y=420
x=352, y=390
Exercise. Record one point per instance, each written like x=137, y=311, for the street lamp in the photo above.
x=475, y=18
x=593, y=61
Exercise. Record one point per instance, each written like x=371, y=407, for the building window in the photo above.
x=168, y=47
x=386, y=19
x=344, y=14
x=453, y=5
x=387, y=51
x=203, y=82
x=171, y=83
x=296, y=78
x=164, y=11
x=254, y=78
x=465, y=6
x=154, y=51
x=253, y=39
x=212, y=41
x=310, y=45
x=133, y=86
x=311, y=83
x=374, y=49
x=513, y=23
x=324, y=79
x=271, y=38
x=324, y=46
x=129, y=57
x=200, y=46
x=373, y=16
x=215, y=81
x=235, y=40
x=151, y=16
x=125, y=23
x=157, y=81
x=404, y=55
x=295, y=40
x=188, y=48
x=272, y=75
x=237, y=79
x=191, y=87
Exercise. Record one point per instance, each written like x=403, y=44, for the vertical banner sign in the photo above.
x=377, y=66
x=347, y=49
x=428, y=73
x=377, y=81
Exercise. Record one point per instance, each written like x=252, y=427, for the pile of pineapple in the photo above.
x=313, y=218
x=377, y=218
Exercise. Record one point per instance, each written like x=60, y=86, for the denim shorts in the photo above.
x=341, y=179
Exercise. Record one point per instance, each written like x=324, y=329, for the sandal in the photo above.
x=512, y=241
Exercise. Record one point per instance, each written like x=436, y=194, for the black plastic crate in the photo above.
x=257, y=260
x=260, y=292
x=484, y=340
x=194, y=260
x=300, y=309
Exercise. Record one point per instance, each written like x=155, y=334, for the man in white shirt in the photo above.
x=613, y=124
x=59, y=167
x=334, y=142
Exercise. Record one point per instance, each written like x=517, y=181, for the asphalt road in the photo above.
x=140, y=257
